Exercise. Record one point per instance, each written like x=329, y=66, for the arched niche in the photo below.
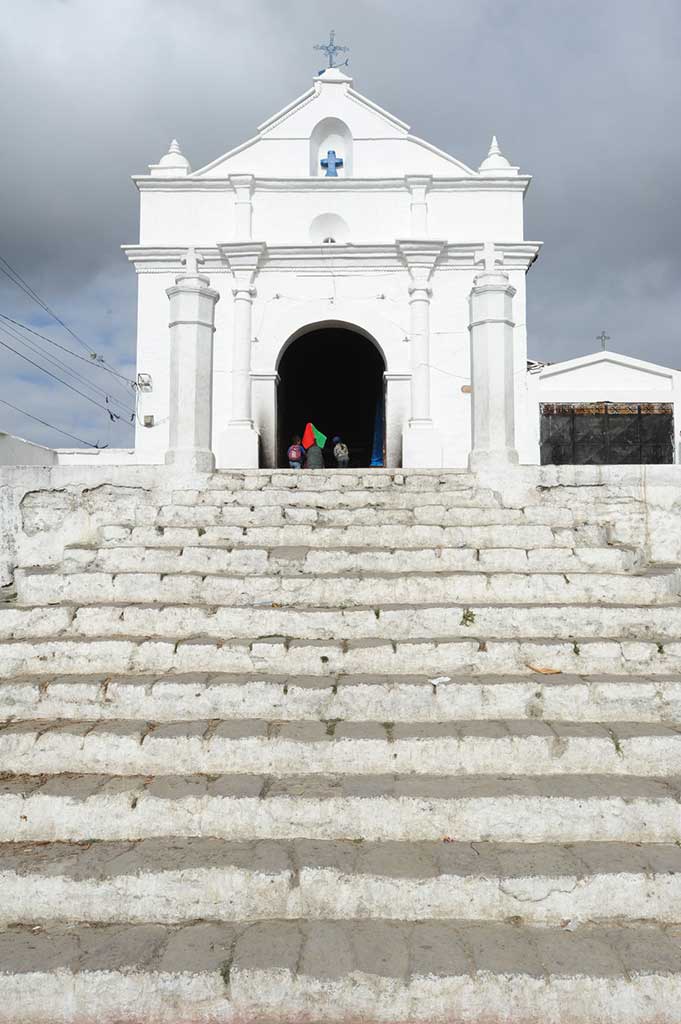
x=329, y=228
x=331, y=133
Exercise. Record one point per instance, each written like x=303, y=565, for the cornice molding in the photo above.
x=147, y=183
x=322, y=260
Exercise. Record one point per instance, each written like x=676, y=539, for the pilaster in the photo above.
x=239, y=442
x=243, y=185
x=418, y=186
x=421, y=442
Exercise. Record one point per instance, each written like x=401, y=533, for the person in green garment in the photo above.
x=313, y=443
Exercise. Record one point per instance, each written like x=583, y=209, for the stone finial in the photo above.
x=190, y=261
x=495, y=162
x=488, y=259
x=172, y=164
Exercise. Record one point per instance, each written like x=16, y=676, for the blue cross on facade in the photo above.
x=331, y=162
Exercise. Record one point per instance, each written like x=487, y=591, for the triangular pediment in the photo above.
x=375, y=142
x=612, y=368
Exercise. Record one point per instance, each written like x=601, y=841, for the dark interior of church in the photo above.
x=333, y=377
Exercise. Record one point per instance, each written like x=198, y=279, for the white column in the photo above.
x=419, y=338
x=492, y=369
x=418, y=186
x=422, y=445
x=243, y=206
x=192, y=325
x=239, y=443
x=243, y=293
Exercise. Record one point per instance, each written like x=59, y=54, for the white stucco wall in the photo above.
x=15, y=451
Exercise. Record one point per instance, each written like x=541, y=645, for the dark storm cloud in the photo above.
x=586, y=97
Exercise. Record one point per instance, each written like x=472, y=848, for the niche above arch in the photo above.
x=330, y=133
x=328, y=228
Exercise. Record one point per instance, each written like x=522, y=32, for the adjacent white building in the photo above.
x=338, y=269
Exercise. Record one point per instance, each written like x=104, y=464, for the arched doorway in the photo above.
x=333, y=376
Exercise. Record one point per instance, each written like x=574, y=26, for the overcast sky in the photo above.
x=583, y=95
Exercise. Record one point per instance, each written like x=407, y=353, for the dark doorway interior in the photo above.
x=606, y=433
x=334, y=378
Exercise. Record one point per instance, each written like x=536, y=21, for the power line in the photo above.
x=16, y=279
x=113, y=416
x=86, y=359
x=60, y=364
x=50, y=425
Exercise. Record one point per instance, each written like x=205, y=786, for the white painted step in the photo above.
x=115, y=558
x=172, y=881
x=344, y=592
x=524, y=748
x=455, y=622
x=484, y=622
x=195, y=696
x=339, y=971
x=376, y=536
x=416, y=511
x=556, y=809
x=278, y=656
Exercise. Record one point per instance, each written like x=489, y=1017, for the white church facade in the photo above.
x=337, y=269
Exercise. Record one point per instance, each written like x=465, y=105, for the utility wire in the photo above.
x=76, y=355
x=50, y=425
x=16, y=278
x=112, y=415
x=37, y=349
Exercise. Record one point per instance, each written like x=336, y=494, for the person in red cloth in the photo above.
x=313, y=442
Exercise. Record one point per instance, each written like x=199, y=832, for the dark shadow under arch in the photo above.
x=332, y=376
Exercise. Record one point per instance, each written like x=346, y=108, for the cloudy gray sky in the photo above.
x=585, y=96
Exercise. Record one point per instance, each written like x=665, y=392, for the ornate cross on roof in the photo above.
x=604, y=339
x=331, y=49
x=331, y=162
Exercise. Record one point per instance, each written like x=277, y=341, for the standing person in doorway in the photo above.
x=340, y=452
x=314, y=458
x=295, y=453
x=313, y=443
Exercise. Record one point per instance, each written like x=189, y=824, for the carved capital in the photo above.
x=420, y=256
x=244, y=259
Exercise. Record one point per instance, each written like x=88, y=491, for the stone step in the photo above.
x=278, y=656
x=262, y=747
x=376, y=536
x=192, y=697
x=487, y=622
x=436, y=513
x=298, y=560
x=339, y=971
x=178, y=587
x=553, y=809
x=173, y=881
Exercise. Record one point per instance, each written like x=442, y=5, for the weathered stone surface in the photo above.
x=341, y=746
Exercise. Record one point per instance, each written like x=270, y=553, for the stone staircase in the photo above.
x=364, y=746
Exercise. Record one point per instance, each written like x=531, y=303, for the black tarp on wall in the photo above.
x=606, y=433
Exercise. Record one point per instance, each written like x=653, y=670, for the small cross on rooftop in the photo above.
x=604, y=339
